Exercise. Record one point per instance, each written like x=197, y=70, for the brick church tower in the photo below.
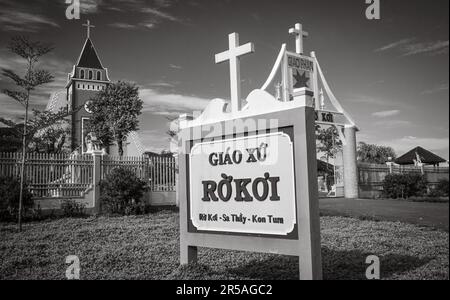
x=87, y=78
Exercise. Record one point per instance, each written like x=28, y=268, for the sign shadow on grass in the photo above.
x=337, y=265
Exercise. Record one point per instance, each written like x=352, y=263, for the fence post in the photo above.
x=177, y=181
x=97, y=158
x=390, y=167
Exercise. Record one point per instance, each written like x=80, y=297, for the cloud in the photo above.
x=122, y=25
x=148, y=25
x=375, y=83
x=409, y=47
x=386, y=113
x=376, y=102
x=143, y=25
x=171, y=104
x=365, y=99
x=394, y=45
x=89, y=6
x=21, y=21
x=163, y=84
x=393, y=123
x=431, y=48
x=172, y=66
x=436, y=89
x=160, y=14
x=152, y=13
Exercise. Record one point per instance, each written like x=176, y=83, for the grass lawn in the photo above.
x=146, y=247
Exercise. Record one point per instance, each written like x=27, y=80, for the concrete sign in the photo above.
x=251, y=189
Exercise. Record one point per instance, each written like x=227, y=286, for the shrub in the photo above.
x=441, y=189
x=73, y=209
x=121, y=192
x=404, y=186
x=9, y=198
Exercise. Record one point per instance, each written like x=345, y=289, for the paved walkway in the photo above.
x=427, y=214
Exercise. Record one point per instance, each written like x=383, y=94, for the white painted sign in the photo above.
x=243, y=185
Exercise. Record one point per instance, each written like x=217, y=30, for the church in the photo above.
x=87, y=78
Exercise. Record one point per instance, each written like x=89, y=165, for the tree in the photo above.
x=47, y=132
x=115, y=112
x=31, y=52
x=11, y=139
x=375, y=154
x=51, y=139
x=328, y=143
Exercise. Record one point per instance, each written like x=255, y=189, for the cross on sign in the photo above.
x=233, y=55
x=299, y=35
x=89, y=26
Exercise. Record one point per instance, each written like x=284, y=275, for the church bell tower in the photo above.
x=88, y=77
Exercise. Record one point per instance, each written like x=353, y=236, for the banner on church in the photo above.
x=243, y=185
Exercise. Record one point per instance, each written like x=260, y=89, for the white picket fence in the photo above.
x=63, y=175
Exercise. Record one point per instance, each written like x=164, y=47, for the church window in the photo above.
x=90, y=74
x=99, y=75
x=78, y=85
x=82, y=74
x=83, y=86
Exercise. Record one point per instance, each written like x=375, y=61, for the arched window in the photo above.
x=90, y=74
x=99, y=75
x=82, y=74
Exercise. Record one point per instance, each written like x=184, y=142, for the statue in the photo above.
x=92, y=143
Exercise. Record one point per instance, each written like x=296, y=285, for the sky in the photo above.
x=390, y=74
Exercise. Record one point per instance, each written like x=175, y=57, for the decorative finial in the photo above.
x=322, y=100
x=299, y=35
x=89, y=26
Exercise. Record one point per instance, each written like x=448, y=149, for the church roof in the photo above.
x=89, y=57
x=426, y=157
